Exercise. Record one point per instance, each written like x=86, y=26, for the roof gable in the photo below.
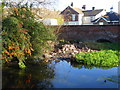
x=78, y=10
x=92, y=12
x=109, y=17
x=112, y=16
x=98, y=19
x=72, y=10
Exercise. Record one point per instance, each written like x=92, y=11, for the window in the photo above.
x=91, y=18
x=100, y=23
x=68, y=12
x=73, y=17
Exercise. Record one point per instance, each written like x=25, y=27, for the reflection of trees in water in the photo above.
x=34, y=76
x=80, y=66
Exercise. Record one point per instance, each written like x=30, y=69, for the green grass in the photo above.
x=103, y=46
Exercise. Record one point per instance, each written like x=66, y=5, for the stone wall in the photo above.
x=90, y=32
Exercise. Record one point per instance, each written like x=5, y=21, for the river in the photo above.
x=62, y=74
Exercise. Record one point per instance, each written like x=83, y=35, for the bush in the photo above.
x=23, y=36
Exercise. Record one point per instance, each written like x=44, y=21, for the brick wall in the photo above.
x=90, y=32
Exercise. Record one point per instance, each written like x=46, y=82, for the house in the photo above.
x=111, y=18
x=90, y=15
x=49, y=21
x=48, y=17
x=72, y=16
x=119, y=7
x=119, y=10
x=76, y=16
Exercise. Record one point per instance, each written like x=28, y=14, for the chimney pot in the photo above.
x=93, y=8
x=71, y=4
x=84, y=7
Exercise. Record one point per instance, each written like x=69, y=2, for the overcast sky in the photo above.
x=98, y=4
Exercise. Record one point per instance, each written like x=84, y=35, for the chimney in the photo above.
x=84, y=7
x=71, y=4
x=93, y=8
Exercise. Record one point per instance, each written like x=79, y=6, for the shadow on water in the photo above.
x=34, y=76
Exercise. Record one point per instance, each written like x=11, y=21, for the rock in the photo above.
x=63, y=52
x=75, y=51
x=46, y=55
x=53, y=54
x=66, y=49
x=59, y=51
x=89, y=50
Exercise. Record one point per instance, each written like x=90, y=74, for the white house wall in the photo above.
x=87, y=20
x=71, y=23
x=50, y=22
x=80, y=16
x=119, y=7
x=100, y=14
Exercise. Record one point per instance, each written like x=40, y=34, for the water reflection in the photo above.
x=35, y=76
x=63, y=74
x=80, y=76
x=76, y=65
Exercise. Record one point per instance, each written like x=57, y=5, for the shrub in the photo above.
x=23, y=36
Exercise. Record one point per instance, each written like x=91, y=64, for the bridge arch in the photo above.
x=104, y=40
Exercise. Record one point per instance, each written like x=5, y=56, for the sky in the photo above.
x=98, y=4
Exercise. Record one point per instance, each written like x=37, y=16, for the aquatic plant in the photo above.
x=100, y=58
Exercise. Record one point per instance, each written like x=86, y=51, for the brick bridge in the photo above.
x=90, y=32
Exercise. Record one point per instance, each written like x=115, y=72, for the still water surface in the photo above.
x=61, y=74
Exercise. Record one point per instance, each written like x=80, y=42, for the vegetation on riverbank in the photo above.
x=107, y=56
x=103, y=46
x=23, y=37
x=100, y=58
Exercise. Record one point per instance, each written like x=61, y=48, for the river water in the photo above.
x=62, y=74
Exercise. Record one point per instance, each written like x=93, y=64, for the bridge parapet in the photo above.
x=90, y=32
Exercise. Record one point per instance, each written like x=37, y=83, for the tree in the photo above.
x=23, y=36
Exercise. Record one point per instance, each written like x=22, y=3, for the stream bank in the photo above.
x=66, y=51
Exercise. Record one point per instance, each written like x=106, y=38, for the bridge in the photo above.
x=109, y=33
